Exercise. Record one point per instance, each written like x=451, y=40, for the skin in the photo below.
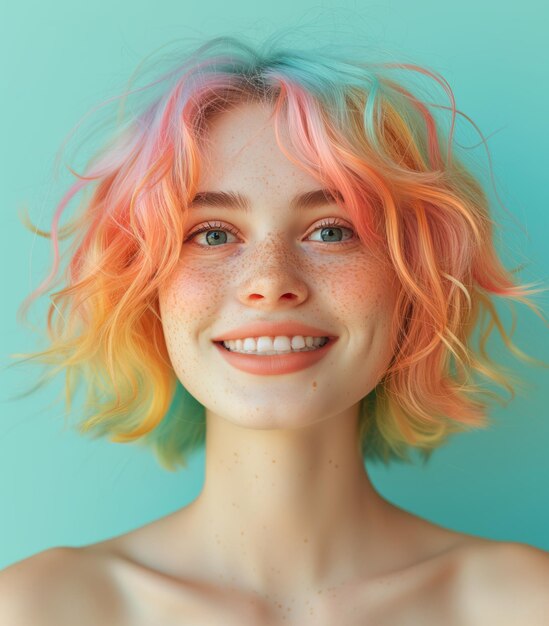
x=283, y=474
x=288, y=528
x=282, y=471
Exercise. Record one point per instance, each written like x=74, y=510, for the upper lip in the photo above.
x=274, y=329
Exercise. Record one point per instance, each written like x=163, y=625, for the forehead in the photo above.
x=240, y=124
x=240, y=145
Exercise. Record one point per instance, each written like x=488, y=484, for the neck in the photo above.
x=286, y=508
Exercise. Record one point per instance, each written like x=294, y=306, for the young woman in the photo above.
x=287, y=240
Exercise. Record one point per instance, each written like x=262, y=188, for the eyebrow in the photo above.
x=233, y=200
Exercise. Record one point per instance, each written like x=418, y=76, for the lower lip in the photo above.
x=275, y=363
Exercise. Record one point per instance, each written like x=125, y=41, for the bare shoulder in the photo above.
x=56, y=587
x=24, y=586
x=505, y=583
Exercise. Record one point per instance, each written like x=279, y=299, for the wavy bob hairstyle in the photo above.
x=401, y=181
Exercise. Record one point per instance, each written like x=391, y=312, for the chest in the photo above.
x=416, y=599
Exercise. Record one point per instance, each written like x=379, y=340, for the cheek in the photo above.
x=362, y=291
x=363, y=296
x=185, y=303
x=190, y=295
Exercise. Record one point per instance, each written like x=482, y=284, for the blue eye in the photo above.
x=215, y=228
x=332, y=227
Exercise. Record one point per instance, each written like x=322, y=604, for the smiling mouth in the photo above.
x=325, y=341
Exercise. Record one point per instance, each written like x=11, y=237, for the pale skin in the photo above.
x=288, y=528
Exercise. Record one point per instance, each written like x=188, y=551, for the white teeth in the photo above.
x=249, y=344
x=275, y=345
x=297, y=343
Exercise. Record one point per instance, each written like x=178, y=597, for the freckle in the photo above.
x=305, y=540
x=329, y=460
x=336, y=466
x=274, y=461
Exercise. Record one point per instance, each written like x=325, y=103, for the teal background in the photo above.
x=61, y=59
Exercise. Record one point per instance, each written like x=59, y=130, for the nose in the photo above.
x=273, y=281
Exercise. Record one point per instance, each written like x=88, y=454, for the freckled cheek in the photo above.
x=364, y=299
x=358, y=291
x=189, y=299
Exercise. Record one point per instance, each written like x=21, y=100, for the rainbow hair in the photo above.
x=409, y=196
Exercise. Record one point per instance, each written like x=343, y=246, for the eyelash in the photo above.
x=324, y=224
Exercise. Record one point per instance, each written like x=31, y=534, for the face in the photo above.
x=273, y=263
